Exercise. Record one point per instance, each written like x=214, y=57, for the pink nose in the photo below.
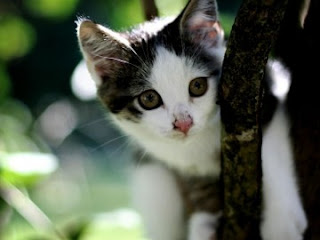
x=183, y=124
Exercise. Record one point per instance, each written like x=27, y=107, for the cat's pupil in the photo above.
x=198, y=87
x=150, y=99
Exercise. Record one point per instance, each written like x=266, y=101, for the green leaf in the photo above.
x=53, y=10
x=17, y=37
x=26, y=168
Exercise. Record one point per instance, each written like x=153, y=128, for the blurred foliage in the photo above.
x=5, y=83
x=17, y=37
x=27, y=168
x=38, y=53
x=168, y=8
x=123, y=13
x=22, y=163
x=227, y=20
x=98, y=229
x=54, y=10
x=15, y=128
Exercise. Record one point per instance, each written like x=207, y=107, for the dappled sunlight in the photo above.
x=126, y=218
x=27, y=163
x=58, y=121
x=82, y=84
x=120, y=224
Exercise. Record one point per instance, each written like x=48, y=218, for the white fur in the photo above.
x=199, y=152
x=281, y=80
x=157, y=198
x=283, y=215
x=203, y=225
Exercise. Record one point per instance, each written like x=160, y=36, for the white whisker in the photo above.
x=119, y=60
x=108, y=142
x=137, y=55
x=140, y=160
x=84, y=125
x=122, y=146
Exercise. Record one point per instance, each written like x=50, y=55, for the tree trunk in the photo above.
x=253, y=33
x=149, y=9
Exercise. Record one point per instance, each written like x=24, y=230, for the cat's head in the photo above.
x=160, y=79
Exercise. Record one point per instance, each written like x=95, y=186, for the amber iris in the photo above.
x=198, y=87
x=150, y=99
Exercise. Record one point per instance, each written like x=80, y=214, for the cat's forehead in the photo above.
x=170, y=66
x=170, y=73
x=167, y=55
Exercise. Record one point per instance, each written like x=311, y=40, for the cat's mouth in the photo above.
x=182, y=134
x=178, y=135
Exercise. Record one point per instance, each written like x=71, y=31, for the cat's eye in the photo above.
x=198, y=87
x=150, y=99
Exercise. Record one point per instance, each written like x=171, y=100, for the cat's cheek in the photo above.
x=157, y=121
x=204, y=111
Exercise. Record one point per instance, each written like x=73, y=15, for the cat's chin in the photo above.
x=180, y=136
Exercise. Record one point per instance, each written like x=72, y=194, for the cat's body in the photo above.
x=159, y=82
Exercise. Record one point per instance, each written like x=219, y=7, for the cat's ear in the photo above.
x=104, y=50
x=199, y=22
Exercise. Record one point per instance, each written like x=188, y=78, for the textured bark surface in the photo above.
x=150, y=9
x=253, y=33
x=298, y=46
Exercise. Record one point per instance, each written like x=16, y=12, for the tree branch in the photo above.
x=150, y=9
x=251, y=38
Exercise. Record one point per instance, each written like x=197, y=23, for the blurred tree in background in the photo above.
x=45, y=121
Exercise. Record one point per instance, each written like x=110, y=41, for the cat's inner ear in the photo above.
x=105, y=51
x=199, y=22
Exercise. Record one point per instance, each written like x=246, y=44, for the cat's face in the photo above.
x=159, y=80
x=179, y=98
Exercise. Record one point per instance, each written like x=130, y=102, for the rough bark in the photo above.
x=298, y=46
x=150, y=9
x=253, y=33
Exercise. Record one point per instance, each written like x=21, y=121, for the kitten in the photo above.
x=159, y=82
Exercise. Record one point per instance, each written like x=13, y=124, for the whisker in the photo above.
x=140, y=160
x=119, y=60
x=145, y=56
x=196, y=51
x=84, y=125
x=122, y=146
x=137, y=55
x=108, y=142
